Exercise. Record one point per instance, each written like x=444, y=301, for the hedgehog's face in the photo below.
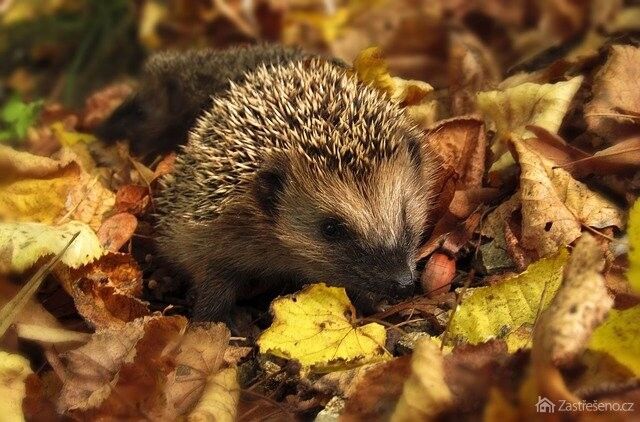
x=360, y=232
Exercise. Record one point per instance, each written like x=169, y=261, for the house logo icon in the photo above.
x=544, y=405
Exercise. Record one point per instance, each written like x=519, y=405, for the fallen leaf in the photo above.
x=105, y=292
x=613, y=112
x=414, y=95
x=101, y=104
x=317, y=327
x=493, y=311
x=199, y=358
x=425, y=393
x=373, y=391
x=513, y=109
x=121, y=371
x=581, y=303
x=555, y=206
x=70, y=138
x=461, y=144
x=220, y=398
x=619, y=337
x=14, y=370
x=633, y=232
x=472, y=68
x=23, y=244
x=623, y=157
x=116, y=231
x=132, y=199
x=165, y=166
x=470, y=371
x=50, y=191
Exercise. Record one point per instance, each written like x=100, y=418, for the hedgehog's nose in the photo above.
x=403, y=284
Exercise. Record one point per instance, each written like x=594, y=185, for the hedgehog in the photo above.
x=297, y=173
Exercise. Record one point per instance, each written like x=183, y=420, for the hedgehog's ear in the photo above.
x=269, y=182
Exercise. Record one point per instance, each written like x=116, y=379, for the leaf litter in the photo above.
x=529, y=268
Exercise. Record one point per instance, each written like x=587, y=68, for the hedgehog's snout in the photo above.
x=402, y=284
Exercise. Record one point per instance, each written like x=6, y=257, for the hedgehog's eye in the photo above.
x=333, y=229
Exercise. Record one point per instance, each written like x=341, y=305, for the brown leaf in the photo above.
x=133, y=199
x=105, y=291
x=101, y=104
x=165, y=166
x=553, y=205
x=120, y=373
x=470, y=370
x=116, y=231
x=614, y=111
x=472, y=68
x=623, y=157
x=200, y=354
x=376, y=393
x=461, y=144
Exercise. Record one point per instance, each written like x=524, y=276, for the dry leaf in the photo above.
x=120, y=372
x=513, y=109
x=219, y=400
x=461, y=144
x=412, y=94
x=555, y=206
x=116, y=231
x=106, y=291
x=132, y=199
x=199, y=356
x=633, y=273
x=472, y=68
x=613, y=112
x=493, y=311
x=374, y=390
x=43, y=190
x=425, y=393
x=580, y=305
x=14, y=369
x=23, y=244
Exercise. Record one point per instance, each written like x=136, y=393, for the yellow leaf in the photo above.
x=512, y=109
x=633, y=232
x=494, y=311
x=619, y=337
x=14, y=369
x=153, y=13
x=425, y=393
x=316, y=327
x=371, y=68
x=69, y=138
x=45, y=190
x=219, y=400
x=22, y=244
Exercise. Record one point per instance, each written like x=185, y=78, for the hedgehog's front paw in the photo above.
x=214, y=301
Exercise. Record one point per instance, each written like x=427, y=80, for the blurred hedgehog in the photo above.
x=295, y=172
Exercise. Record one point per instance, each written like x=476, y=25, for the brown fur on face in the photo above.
x=384, y=213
